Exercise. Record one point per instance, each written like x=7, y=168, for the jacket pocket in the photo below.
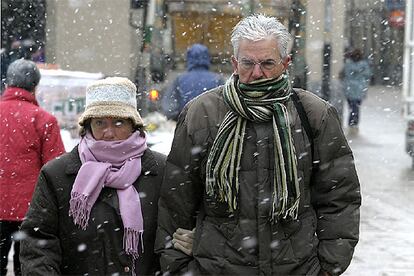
x=282, y=252
x=208, y=249
x=304, y=241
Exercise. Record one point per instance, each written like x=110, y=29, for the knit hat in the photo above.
x=111, y=97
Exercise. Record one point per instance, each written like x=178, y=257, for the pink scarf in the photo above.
x=115, y=164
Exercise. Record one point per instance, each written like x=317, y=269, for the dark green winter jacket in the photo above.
x=247, y=242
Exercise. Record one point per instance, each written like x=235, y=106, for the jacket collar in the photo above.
x=20, y=94
x=148, y=163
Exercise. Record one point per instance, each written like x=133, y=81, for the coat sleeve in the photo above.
x=179, y=199
x=52, y=144
x=336, y=196
x=40, y=251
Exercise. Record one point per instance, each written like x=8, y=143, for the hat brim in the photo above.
x=111, y=110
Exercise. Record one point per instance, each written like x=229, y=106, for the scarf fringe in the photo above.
x=293, y=210
x=79, y=209
x=133, y=242
x=280, y=211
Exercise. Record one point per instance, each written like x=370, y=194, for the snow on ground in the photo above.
x=160, y=132
x=386, y=245
x=68, y=141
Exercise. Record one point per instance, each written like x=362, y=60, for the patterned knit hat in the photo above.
x=111, y=97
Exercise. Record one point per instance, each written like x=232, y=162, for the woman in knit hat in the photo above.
x=94, y=210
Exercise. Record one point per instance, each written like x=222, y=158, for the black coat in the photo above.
x=55, y=245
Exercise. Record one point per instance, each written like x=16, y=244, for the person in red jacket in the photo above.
x=29, y=137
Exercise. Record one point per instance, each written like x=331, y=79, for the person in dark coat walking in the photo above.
x=357, y=74
x=29, y=137
x=192, y=83
x=94, y=210
x=268, y=191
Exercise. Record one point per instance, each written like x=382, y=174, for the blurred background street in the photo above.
x=386, y=245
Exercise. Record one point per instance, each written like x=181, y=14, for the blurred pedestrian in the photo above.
x=8, y=55
x=28, y=48
x=39, y=55
x=29, y=137
x=18, y=49
x=192, y=83
x=262, y=171
x=94, y=209
x=357, y=75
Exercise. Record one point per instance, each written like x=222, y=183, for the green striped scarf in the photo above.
x=259, y=101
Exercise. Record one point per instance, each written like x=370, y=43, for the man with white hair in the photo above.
x=261, y=170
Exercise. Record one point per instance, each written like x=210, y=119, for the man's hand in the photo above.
x=183, y=240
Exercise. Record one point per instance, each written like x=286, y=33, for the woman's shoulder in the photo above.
x=68, y=162
x=153, y=162
x=158, y=156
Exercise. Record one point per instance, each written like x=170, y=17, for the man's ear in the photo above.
x=234, y=63
x=286, y=61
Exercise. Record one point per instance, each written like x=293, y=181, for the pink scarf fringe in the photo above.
x=133, y=239
x=79, y=209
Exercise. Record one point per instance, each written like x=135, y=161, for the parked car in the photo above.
x=62, y=93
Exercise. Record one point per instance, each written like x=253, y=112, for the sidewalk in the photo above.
x=386, y=244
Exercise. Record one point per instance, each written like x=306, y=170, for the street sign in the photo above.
x=396, y=19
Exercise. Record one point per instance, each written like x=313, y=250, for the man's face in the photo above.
x=251, y=53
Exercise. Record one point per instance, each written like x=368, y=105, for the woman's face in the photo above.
x=111, y=129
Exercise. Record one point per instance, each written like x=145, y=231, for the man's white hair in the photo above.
x=258, y=27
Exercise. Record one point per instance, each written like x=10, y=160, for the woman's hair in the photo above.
x=258, y=27
x=356, y=55
x=87, y=128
